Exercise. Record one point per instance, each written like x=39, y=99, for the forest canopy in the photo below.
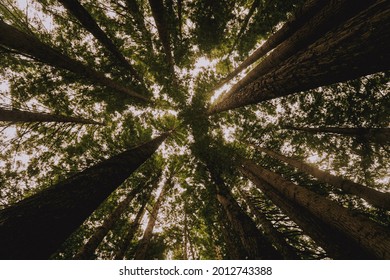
x=162, y=129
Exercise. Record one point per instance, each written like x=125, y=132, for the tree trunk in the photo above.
x=79, y=12
x=253, y=241
x=336, y=244
x=35, y=227
x=15, y=115
x=125, y=243
x=302, y=15
x=25, y=44
x=370, y=235
x=374, y=197
x=88, y=250
x=143, y=245
x=356, y=48
x=380, y=136
x=270, y=232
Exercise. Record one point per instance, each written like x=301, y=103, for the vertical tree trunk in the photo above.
x=374, y=197
x=336, y=244
x=356, y=48
x=370, y=235
x=35, y=227
x=29, y=45
x=26, y=116
x=270, y=232
x=143, y=245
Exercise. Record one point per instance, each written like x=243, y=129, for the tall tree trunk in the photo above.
x=15, y=115
x=302, y=15
x=35, y=227
x=79, y=12
x=370, y=235
x=185, y=236
x=372, y=196
x=356, y=48
x=88, y=250
x=335, y=243
x=270, y=232
x=25, y=44
x=333, y=14
x=253, y=241
x=125, y=243
x=377, y=135
x=158, y=12
x=143, y=245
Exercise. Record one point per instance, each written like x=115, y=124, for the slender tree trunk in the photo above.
x=270, y=232
x=356, y=48
x=374, y=197
x=302, y=15
x=333, y=14
x=370, y=235
x=125, y=243
x=88, y=250
x=143, y=245
x=79, y=12
x=35, y=227
x=253, y=241
x=335, y=243
x=29, y=45
x=377, y=135
x=15, y=115
x=185, y=236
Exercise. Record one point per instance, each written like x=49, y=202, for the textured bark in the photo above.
x=376, y=135
x=125, y=243
x=82, y=15
x=26, y=116
x=372, y=196
x=143, y=245
x=356, y=48
x=332, y=14
x=253, y=241
x=368, y=234
x=273, y=235
x=25, y=44
x=336, y=244
x=301, y=16
x=88, y=250
x=35, y=227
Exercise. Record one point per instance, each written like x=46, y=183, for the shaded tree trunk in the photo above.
x=377, y=135
x=374, y=197
x=335, y=243
x=368, y=234
x=356, y=48
x=302, y=15
x=35, y=227
x=15, y=115
x=253, y=241
x=28, y=45
x=79, y=12
x=143, y=245
x=270, y=232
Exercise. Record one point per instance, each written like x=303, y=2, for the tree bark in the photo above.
x=370, y=235
x=143, y=245
x=29, y=45
x=336, y=244
x=270, y=232
x=15, y=115
x=35, y=227
x=82, y=15
x=302, y=15
x=380, y=136
x=356, y=48
x=372, y=196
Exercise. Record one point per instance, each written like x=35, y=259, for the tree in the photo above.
x=53, y=214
